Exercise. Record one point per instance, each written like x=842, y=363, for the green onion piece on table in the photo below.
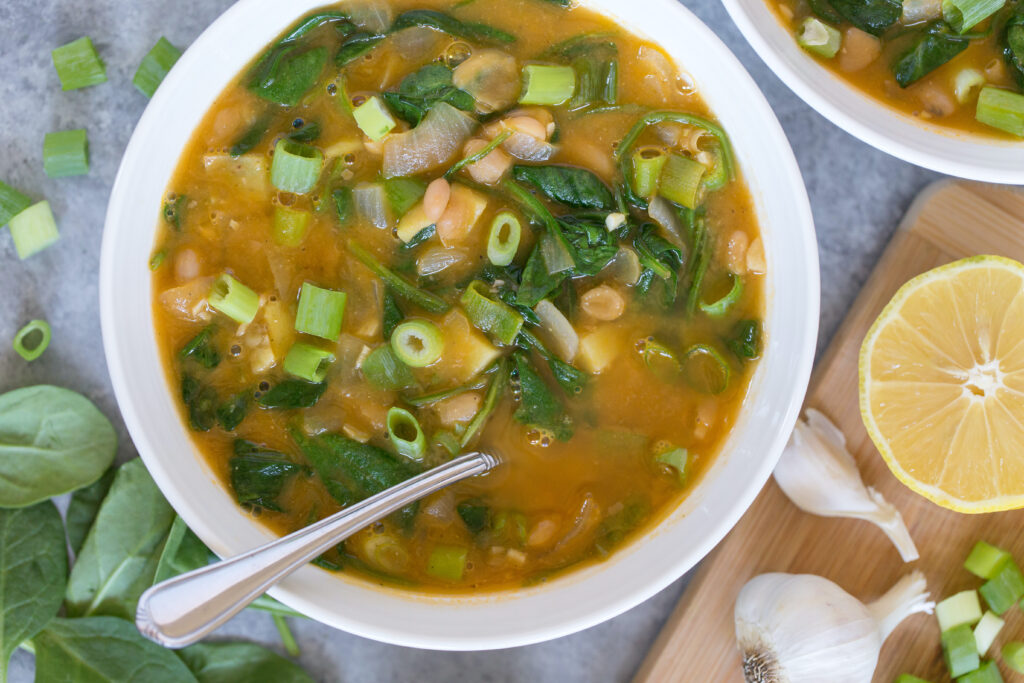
x=960, y=650
x=383, y=369
x=373, y=119
x=986, y=631
x=33, y=230
x=417, y=343
x=447, y=563
x=296, y=167
x=648, y=163
x=308, y=362
x=1005, y=589
x=494, y=317
x=1002, y=109
x=12, y=203
x=1013, y=655
x=988, y=672
x=818, y=37
x=233, y=299
x=705, y=370
x=406, y=434
x=720, y=308
x=985, y=560
x=66, y=153
x=503, y=239
x=290, y=226
x=78, y=65
x=321, y=312
x=681, y=180
x=907, y=678
x=963, y=15
x=548, y=85
x=678, y=459
x=155, y=66
x=962, y=608
x=32, y=340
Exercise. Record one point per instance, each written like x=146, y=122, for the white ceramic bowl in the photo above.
x=585, y=597
x=879, y=125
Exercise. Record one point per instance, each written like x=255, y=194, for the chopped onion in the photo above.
x=413, y=42
x=529, y=148
x=558, y=330
x=375, y=17
x=437, y=259
x=434, y=142
x=371, y=204
x=662, y=213
x=492, y=77
x=625, y=267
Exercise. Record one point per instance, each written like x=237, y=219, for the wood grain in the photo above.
x=950, y=220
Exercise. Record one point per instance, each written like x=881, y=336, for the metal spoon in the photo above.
x=182, y=610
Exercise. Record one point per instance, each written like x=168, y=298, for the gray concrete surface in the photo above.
x=858, y=195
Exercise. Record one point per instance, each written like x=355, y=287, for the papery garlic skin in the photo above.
x=819, y=475
x=800, y=628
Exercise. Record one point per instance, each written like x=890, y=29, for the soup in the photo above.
x=413, y=230
x=958, y=64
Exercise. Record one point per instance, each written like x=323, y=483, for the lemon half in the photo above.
x=942, y=384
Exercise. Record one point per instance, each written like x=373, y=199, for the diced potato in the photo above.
x=188, y=301
x=413, y=222
x=459, y=409
x=598, y=349
x=463, y=213
x=467, y=351
x=280, y=326
x=248, y=172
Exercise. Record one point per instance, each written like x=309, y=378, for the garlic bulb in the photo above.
x=820, y=476
x=800, y=628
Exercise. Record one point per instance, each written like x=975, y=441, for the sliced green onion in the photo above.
x=907, y=678
x=986, y=560
x=648, y=163
x=373, y=119
x=548, y=85
x=448, y=441
x=78, y=65
x=384, y=370
x=417, y=343
x=960, y=650
x=659, y=359
x=290, y=226
x=406, y=434
x=321, y=312
x=705, y=370
x=308, y=362
x=963, y=15
x=962, y=608
x=66, y=153
x=174, y=210
x=342, y=204
x=157, y=259
x=437, y=396
x=33, y=230
x=495, y=318
x=681, y=180
x=1013, y=655
x=233, y=299
x=481, y=155
x=404, y=193
x=491, y=398
x=986, y=631
x=12, y=203
x=1001, y=109
x=296, y=167
x=447, y=563
x=678, y=459
x=718, y=175
x=720, y=308
x=611, y=82
x=425, y=300
x=818, y=37
x=987, y=672
x=32, y=340
x=503, y=239
x=1005, y=589
x=965, y=83
x=155, y=66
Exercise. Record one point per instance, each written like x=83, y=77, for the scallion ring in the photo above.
x=406, y=434
x=493, y=317
x=648, y=163
x=718, y=309
x=233, y=299
x=417, y=343
x=32, y=340
x=503, y=240
x=659, y=359
x=308, y=362
x=705, y=370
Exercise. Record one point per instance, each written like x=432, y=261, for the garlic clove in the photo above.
x=820, y=476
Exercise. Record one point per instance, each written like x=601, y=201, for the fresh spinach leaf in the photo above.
x=568, y=185
x=201, y=348
x=745, y=340
x=232, y=412
x=871, y=16
x=221, y=662
x=1013, y=43
x=182, y=552
x=33, y=573
x=293, y=393
x=538, y=406
x=121, y=552
x=421, y=90
x=259, y=474
x=103, y=650
x=537, y=282
x=355, y=46
x=474, y=33
x=52, y=441
x=202, y=402
x=934, y=47
x=592, y=245
x=475, y=515
x=82, y=509
x=287, y=74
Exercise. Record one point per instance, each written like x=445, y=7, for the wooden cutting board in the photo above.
x=948, y=221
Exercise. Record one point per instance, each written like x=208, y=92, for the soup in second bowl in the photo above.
x=414, y=229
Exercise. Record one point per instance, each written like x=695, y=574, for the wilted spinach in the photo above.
x=421, y=90
x=871, y=16
x=936, y=45
x=571, y=380
x=538, y=406
x=1013, y=43
x=593, y=247
x=473, y=32
x=537, y=282
x=661, y=261
x=475, y=515
x=293, y=393
x=745, y=340
x=201, y=348
x=355, y=46
x=259, y=474
x=568, y=185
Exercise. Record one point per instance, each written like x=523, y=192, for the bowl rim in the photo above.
x=912, y=140
x=522, y=628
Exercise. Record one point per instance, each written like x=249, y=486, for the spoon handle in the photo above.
x=184, y=609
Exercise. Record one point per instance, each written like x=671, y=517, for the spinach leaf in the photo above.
x=259, y=474
x=700, y=262
x=595, y=46
x=934, y=47
x=82, y=509
x=306, y=132
x=592, y=245
x=421, y=90
x=475, y=515
x=661, y=261
x=252, y=135
x=474, y=33
x=201, y=401
x=52, y=441
x=201, y=348
x=421, y=237
x=232, y=412
x=391, y=312
x=745, y=340
x=240, y=663
x=871, y=16
x=285, y=76
x=182, y=552
x=355, y=46
x=293, y=393
x=34, y=570
x=569, y=185
x=103, y=650
x=571, y=380
x=538, y=406
x=537, y=282
x=121, y=552
x=614, y=528
x=825, y=11
x=1013, y=43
